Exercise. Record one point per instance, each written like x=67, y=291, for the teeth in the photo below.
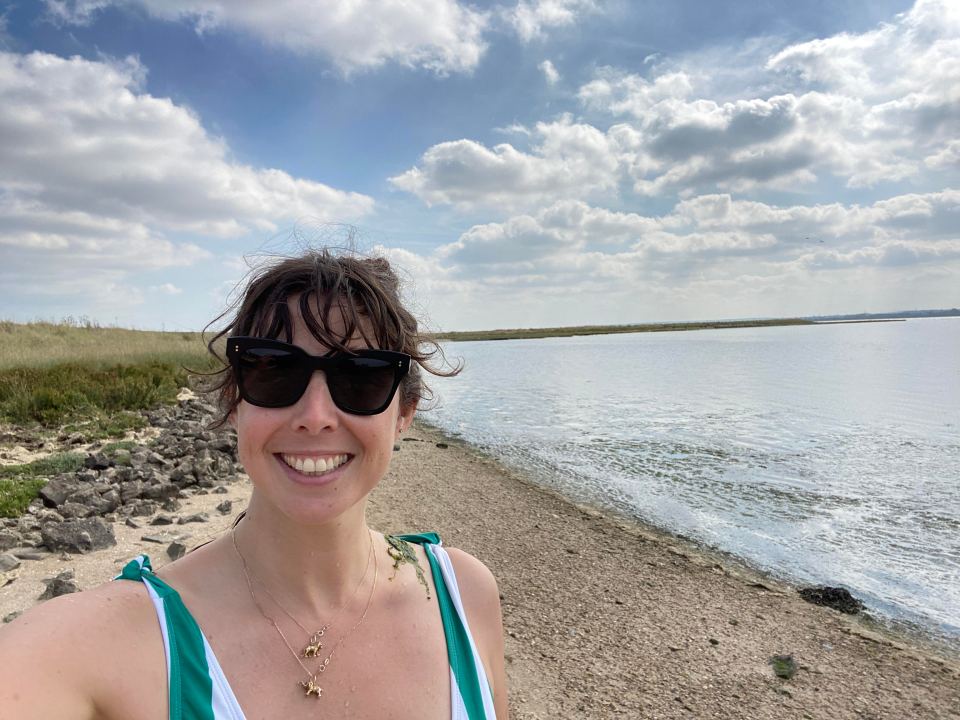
x=314, y=465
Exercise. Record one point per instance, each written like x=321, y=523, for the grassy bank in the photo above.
x=529, y=333
x=91, y=379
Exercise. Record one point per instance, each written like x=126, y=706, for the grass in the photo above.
x=43, y=344
x=90, y=379
x=19, y=484
x=529, y=333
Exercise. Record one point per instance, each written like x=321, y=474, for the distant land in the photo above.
x=899, y=315
x=530, y=333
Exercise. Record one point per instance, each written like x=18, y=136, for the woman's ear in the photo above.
x=405, y=417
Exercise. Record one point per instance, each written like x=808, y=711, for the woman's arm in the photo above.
x=481, y=601
x=87, y=655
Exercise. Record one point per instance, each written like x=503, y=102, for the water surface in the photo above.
x=823, y=454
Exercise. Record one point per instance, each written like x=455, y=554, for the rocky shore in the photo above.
x=603, y=618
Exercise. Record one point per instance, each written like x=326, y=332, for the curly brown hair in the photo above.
x=359, y=287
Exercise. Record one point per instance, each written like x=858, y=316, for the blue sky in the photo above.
x=541, y=162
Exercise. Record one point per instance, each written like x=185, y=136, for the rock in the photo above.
x=75, y=510
x=784, y=666
x=714, y=641
x=62, y=584
x=8, y=562
x=142, y=508
x=225, y=507
x=97, y=462
x=8, y=539
x=220, y=490
x=10, y=617
x=78, y=536
x=837, y=598
x=131, y=523
x=159, y=539
x=55, y=492
x=24, y=553
x=176, y=550
x=163, y=519
x=442, y=446
x=131, y=490
x=195, y=518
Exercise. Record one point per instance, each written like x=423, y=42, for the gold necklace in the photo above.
x=314, y=644
x=311, y=685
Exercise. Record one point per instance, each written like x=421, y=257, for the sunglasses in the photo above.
x=274, y=374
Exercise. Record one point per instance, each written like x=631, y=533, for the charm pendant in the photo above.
x=310, y=687
x=314, y=647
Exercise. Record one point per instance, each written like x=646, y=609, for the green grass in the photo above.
x=19, y=484
x=90, y=379
x=529, y=333
x=53, y=395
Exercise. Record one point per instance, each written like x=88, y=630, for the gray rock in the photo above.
x=55, y=492
x=130, y=522
x=8, y=539
x=176, y=550
x=71, y=509
x=195, y=518
x=142, y=508
x=8, y=562
x=25, y=553
x=220, y=490
x=163, y=520
x=97, y=462
x=10, y=617
x=62, y=584
x=225, y=507
x=131, y=490
x=78, y=536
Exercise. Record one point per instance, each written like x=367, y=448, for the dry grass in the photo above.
x=44, y=344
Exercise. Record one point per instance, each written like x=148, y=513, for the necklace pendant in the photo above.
x=310, y=687
x=314, y=647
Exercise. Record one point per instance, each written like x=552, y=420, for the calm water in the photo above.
x=825, y=454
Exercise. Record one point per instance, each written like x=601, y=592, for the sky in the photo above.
x=523, y=163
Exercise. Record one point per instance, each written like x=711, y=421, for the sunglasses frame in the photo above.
x=238, y=344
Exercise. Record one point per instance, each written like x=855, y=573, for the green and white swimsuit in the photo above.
x=200, y=691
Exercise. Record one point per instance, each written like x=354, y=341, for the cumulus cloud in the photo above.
x=714, y=228
x=567, y=159
x=530, y=19
x=440, y=35
x=96, y=175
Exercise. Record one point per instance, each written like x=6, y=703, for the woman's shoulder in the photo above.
x=79, y=642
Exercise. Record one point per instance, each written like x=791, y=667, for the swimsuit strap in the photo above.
x=188, y=674
x=461, y=652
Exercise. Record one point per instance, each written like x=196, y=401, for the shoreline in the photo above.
x=869, y=621
x=604, y=617
x=609, y=617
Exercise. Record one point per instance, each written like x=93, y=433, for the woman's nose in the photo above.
x=315, y=410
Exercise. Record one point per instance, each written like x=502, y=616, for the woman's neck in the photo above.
x=311, y=571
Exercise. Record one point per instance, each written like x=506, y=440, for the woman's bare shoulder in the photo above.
x=58, y=655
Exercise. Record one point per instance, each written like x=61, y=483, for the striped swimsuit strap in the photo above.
x=198, y=689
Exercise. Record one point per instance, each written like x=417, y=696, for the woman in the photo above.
x=302, y=610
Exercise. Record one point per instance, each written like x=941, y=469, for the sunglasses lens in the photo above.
x=362, y=385
x=272, y=377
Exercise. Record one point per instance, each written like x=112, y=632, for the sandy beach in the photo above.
x=604, y=618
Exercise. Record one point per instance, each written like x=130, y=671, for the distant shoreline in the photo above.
x=530, y=333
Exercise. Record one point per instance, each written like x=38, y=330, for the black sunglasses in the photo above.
x=273, y=374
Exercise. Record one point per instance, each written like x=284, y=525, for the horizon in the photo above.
x=523, y=163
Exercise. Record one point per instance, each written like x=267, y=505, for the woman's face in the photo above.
x=311, y=460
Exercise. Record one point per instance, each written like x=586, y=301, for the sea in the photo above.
x=821, y=454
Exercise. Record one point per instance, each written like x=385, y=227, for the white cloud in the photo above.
x=95, y=174
x=530, y=19
x=709, y=256
x=440, y=35
x=568, y=160
x=876, y=107
x=167, y=289
x=549, y=72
